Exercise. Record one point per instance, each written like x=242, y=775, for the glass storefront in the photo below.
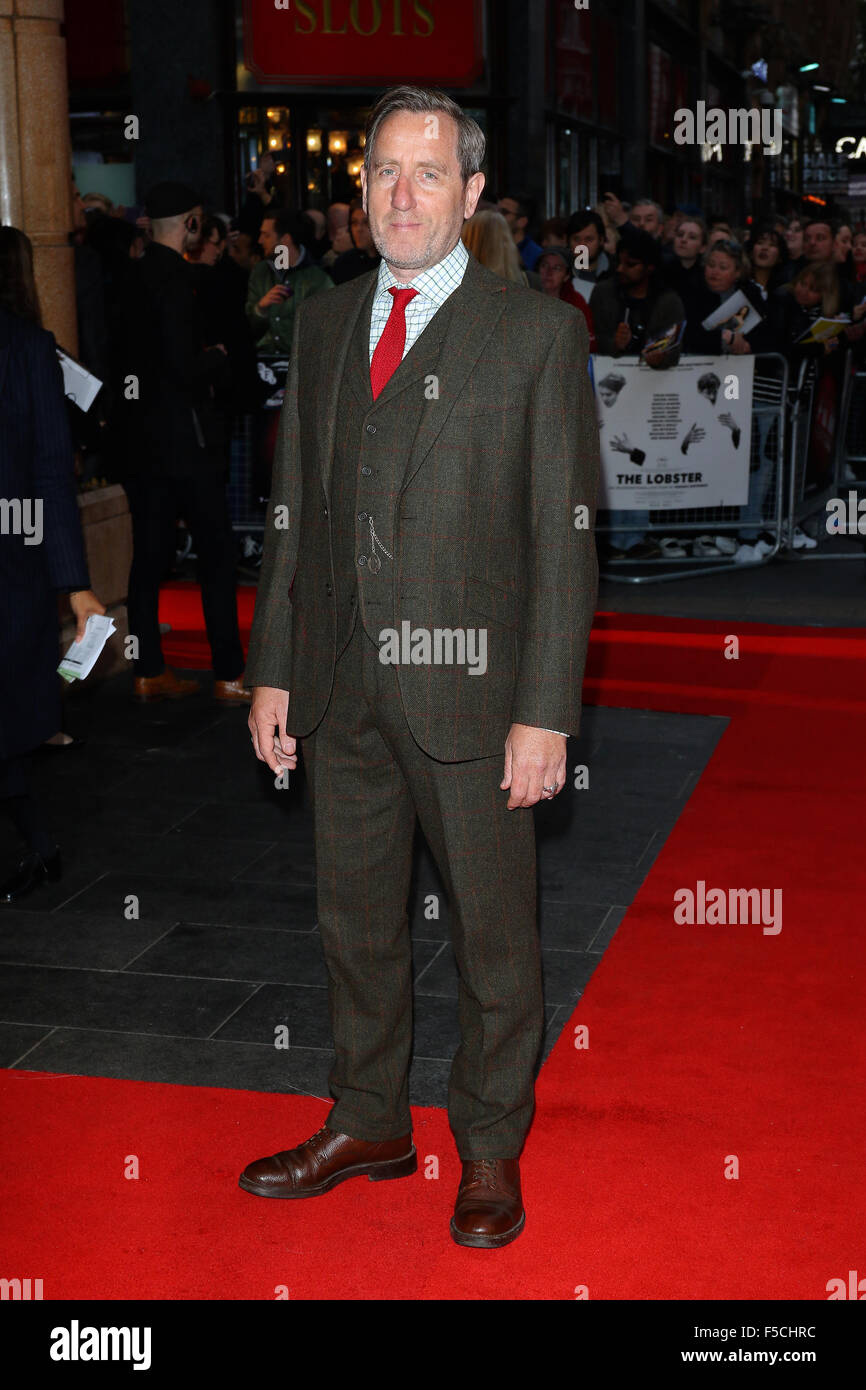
x=317, y=147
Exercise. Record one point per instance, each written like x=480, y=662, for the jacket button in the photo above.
x=362, y=559
x=366, y=471
x=371, y=429
x=326, y=511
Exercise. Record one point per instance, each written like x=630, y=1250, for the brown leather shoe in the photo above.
x=326, y=1159
x=489, y=1207
x=167, y=686
x=232, y=692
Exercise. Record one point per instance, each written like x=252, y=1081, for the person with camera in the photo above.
x=282, y=280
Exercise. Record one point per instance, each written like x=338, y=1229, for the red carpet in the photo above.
x=707, y=1043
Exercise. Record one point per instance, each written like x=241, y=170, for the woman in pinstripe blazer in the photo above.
x=41, y=553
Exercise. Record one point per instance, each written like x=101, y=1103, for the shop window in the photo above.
x=607, y=44
x=574, y=60
x=660, y=92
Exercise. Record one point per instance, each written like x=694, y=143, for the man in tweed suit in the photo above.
x=436, y=473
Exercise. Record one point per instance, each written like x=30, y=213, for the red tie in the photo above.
x=389, y=349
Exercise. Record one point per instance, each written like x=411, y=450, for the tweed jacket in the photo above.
x=492, y=526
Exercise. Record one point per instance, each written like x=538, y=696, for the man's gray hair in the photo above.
x=650, y=203
x=426, y=101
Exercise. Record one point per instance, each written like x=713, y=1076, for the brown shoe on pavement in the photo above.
x=489, y=1207
x=232, y=692
x=166, y=686
x=326, y=1159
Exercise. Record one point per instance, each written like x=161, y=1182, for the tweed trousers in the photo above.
x=369, y=783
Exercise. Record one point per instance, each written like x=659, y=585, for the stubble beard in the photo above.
x=422, y=259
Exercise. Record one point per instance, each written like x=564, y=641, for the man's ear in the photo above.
x=474, y=187
x=363, y=192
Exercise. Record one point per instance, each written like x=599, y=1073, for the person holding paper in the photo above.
x=41, y=555
x=726, y=270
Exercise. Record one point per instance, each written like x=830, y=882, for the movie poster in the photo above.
x=674, y=438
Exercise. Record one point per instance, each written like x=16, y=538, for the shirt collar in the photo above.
x=436, y=283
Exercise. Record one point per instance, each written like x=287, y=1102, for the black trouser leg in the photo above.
x=152, y=507
x=20, y=805
x=205, y=505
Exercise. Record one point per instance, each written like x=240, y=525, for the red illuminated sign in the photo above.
x=364, y=42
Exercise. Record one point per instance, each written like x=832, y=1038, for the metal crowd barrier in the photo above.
x=848, y=457
x=768, y=445
x=252, y=434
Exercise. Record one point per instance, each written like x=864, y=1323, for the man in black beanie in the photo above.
x=172, y=463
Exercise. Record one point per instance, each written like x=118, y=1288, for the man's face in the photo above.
x=818, y=242
x=338, y=228
x=239, y=248
x=688, y=241
x=588, y=237
x=211, y=249
x=631, y=272
x=511, y=212
x=192, y=238
x=359, y=230
x=553, y=272
x=647, y=218
x=415, y=198
x=268, y=238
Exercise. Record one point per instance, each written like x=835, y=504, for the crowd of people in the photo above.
x=632, y=270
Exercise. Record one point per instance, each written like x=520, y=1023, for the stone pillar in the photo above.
x=35, y=161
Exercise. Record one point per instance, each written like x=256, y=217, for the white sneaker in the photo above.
x=671, y=548
x=763, y=548
x=705, y=545
x=726, y=544
x=800, y=541
x=746, y=555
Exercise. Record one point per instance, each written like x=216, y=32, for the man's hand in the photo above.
x=614, y=208
x=259, y=185
x=83, y=604
x=275, y=295
x=534, y=759
x=622, y=337
x=269, y=710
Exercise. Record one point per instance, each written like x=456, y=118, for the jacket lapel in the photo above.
x=330, y=369
x=475, y=309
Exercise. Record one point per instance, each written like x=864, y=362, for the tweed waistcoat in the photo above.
x=372, y=448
